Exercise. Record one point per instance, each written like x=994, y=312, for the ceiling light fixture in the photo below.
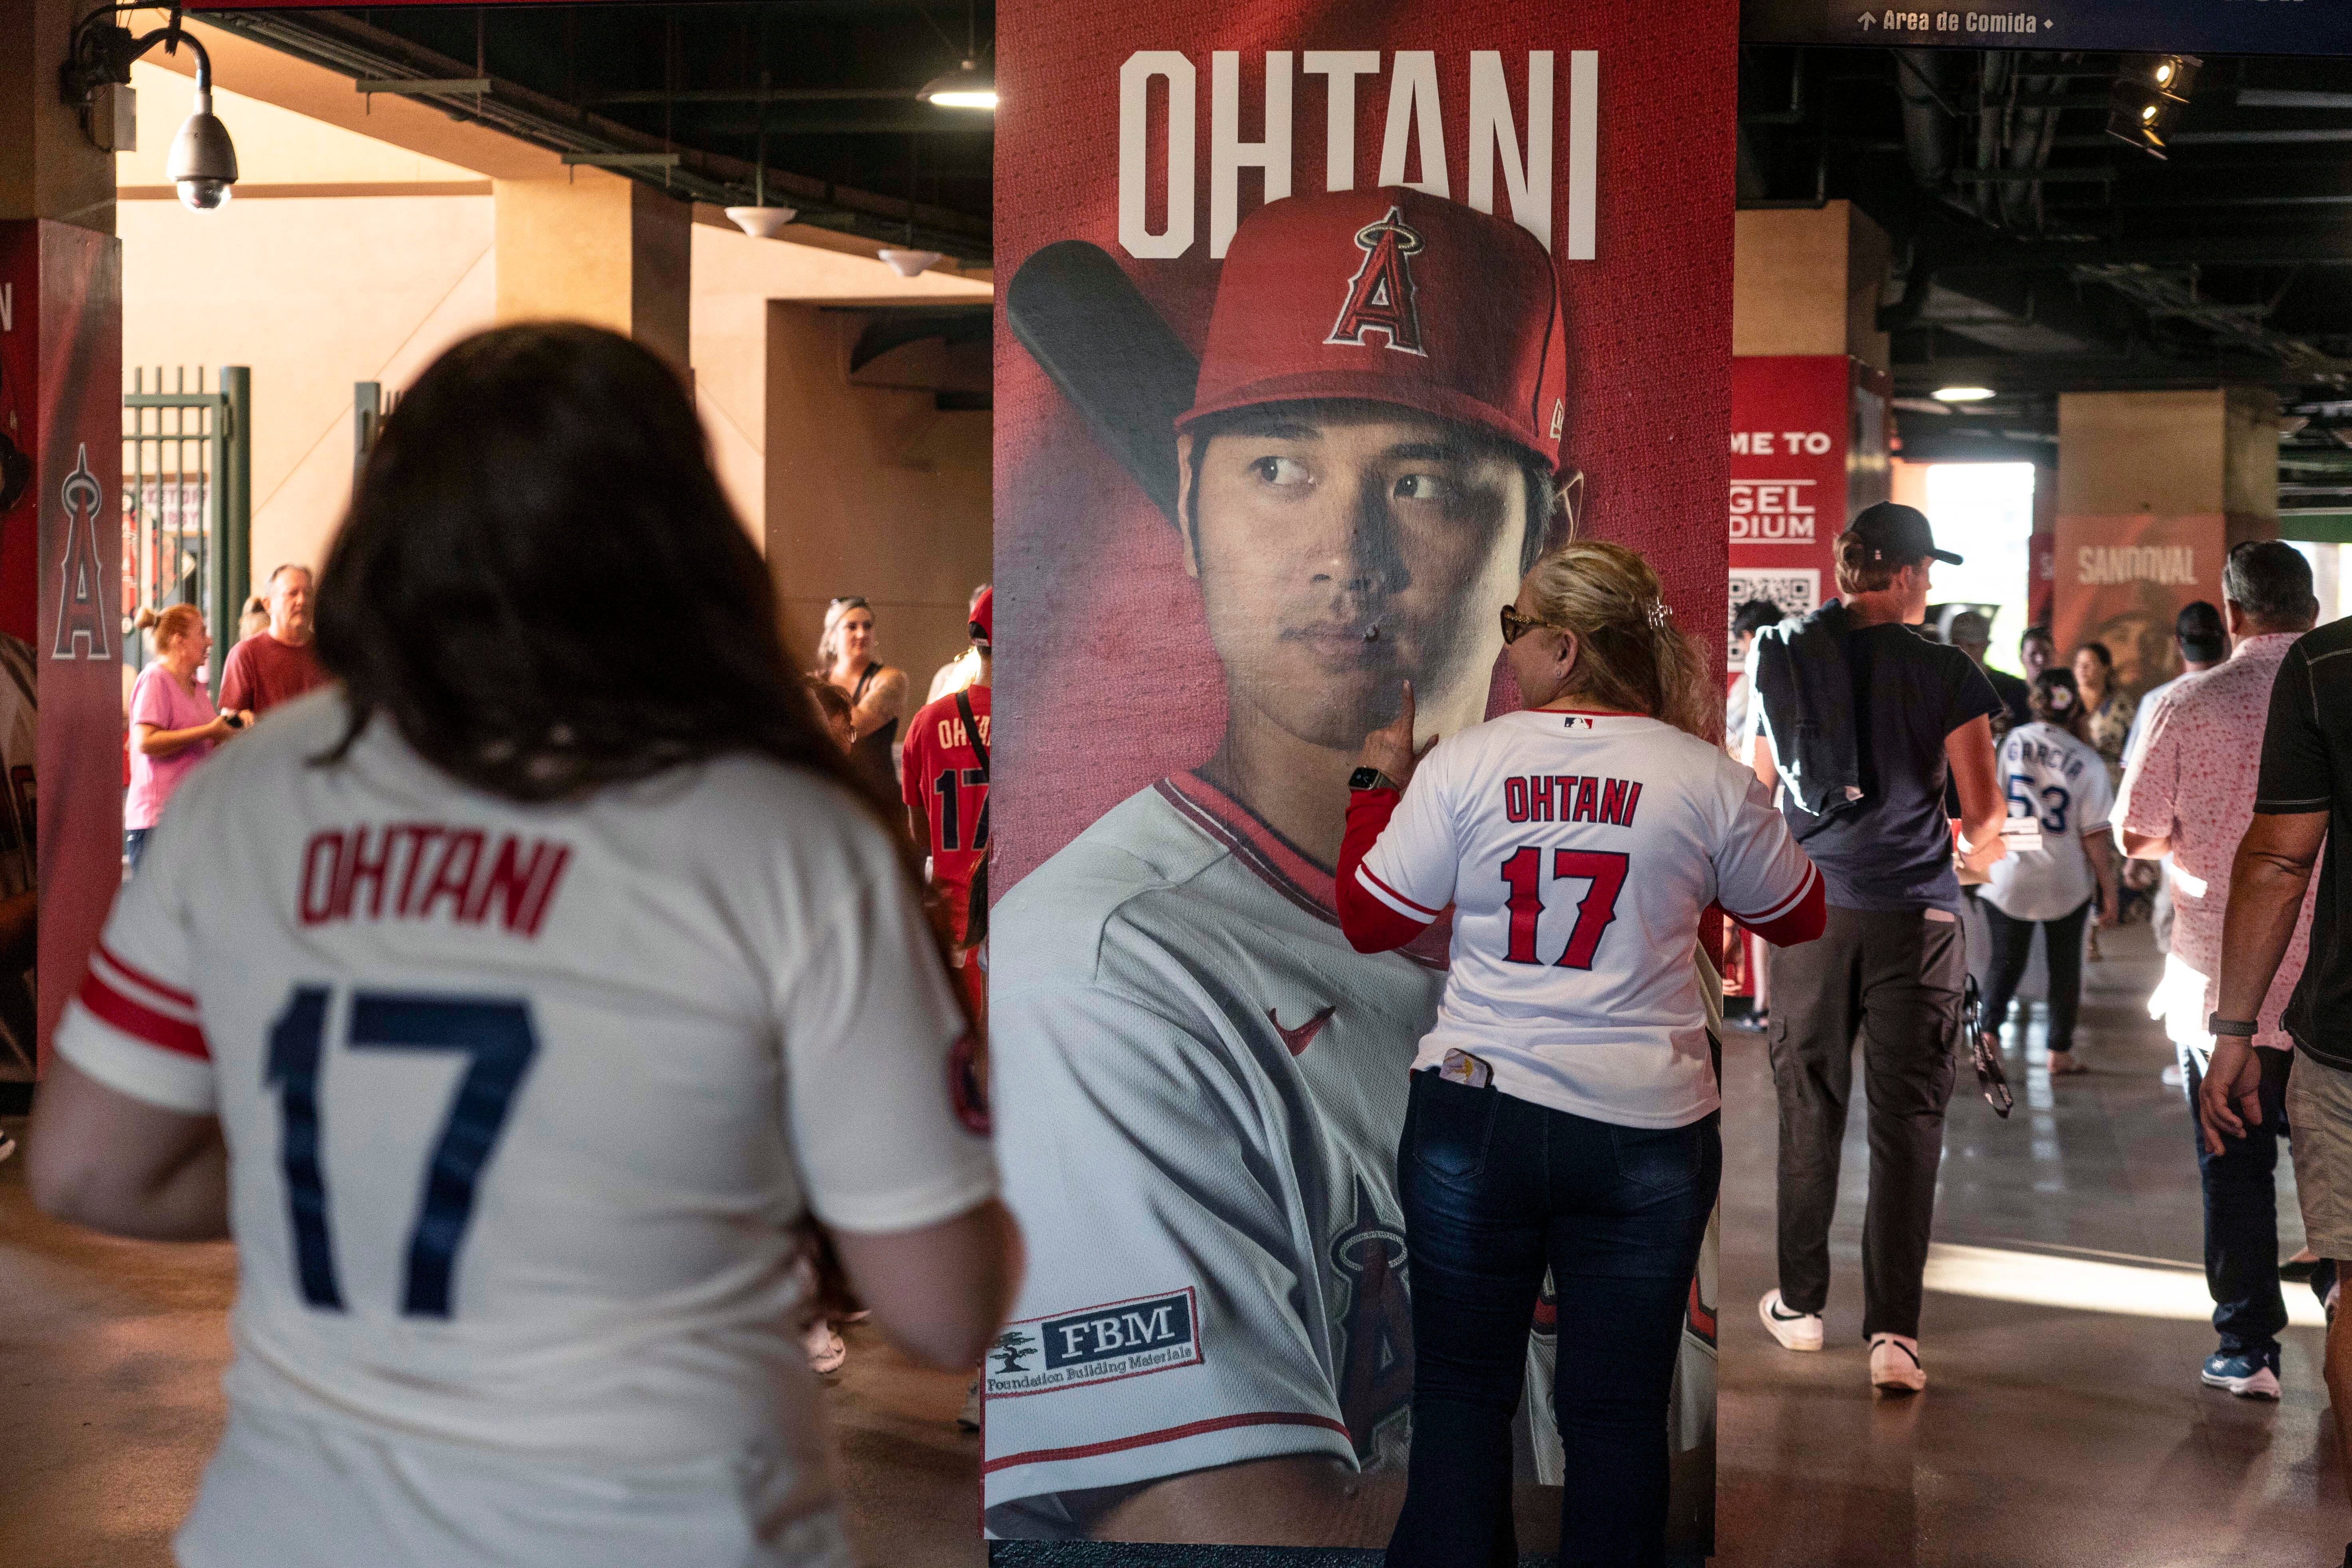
x=969, y=86
x=2149, y=94
x=1963, y=394
x=966, y=87
x=910, y=263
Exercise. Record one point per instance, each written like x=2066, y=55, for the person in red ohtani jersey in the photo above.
x=943, y=774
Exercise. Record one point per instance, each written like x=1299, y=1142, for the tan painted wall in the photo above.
x=2140, y=451
x=735, y=277
x=1805, y=280
x=316, y=292
x=871, y=491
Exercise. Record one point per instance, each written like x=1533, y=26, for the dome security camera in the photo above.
x=202, y=162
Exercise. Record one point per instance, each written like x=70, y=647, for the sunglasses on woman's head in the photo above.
x=1517, y=626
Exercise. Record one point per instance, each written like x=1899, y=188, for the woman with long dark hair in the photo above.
x=537, y=1000
x=1564, y=1109
x=2051, y=772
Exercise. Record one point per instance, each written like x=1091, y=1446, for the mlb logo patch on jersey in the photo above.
x=1096, y=1344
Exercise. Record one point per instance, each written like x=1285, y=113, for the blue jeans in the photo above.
x=134, y=844
x=1494, y=1189
x=2242, y=1214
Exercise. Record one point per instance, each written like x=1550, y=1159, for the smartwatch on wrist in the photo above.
x=1371, y=778
x=2245, y=1029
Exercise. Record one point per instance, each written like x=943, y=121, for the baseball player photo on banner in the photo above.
x=1319, y=322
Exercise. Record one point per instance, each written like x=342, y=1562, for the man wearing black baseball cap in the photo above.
x=1864, y=721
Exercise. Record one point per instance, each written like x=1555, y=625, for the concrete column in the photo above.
x=873, y=488
x=1805, y=280
x=595, y=247
x=2153, y=489
x=48, y=167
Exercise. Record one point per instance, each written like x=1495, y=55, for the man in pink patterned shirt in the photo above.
x=2190, y=793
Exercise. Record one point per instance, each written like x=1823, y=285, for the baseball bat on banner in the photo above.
x=1092, y=332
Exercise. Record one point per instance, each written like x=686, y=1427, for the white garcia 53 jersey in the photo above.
x=522, y=1106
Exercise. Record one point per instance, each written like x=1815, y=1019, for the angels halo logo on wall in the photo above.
x=1380, y=296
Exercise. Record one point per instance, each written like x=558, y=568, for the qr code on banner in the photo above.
x=1797, y=594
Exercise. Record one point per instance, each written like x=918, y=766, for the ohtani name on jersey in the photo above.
x=952, y=735
x=414, y=870
x=1570, y=797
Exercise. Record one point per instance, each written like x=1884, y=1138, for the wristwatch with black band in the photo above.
x=2245, y=1029
x=1372, y=778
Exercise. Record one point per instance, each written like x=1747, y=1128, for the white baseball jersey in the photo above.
x=1199, y=1086
x=1199, y=1089
x=1578, y=852
x=522, y=1103
x=2049, y=774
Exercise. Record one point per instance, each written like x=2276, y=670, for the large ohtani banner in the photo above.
x=1400, y=269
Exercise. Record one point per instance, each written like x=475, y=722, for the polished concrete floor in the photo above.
x=2063, y=1424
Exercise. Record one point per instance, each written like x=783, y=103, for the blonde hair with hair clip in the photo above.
x=1629, y=654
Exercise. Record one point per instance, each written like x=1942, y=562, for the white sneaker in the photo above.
x=1894, y=1365
x=7, y=1143
x=1795, y=1331
x=2171, y=1076
x=825, y=1350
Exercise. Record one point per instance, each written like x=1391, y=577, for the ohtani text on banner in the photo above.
x=1416, y=135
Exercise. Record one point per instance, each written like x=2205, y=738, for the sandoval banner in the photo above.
x=2124, y=580
x=1434, y=284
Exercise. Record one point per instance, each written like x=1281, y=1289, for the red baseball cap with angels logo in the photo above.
x=984, y=615
x=1391, y=295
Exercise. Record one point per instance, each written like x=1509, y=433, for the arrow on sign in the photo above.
x=1866, y=20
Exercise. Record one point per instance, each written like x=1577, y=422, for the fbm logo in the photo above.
x=1119, y=1339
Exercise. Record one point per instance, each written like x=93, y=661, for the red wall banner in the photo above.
x=1808, y=451
x=1491, y=237
x=64, y=392
x=2123, y=580
x=1788, y=441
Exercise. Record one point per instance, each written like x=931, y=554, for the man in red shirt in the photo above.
x=278, y=664
x=943, y=774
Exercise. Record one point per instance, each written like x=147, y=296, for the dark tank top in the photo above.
x=873, y=752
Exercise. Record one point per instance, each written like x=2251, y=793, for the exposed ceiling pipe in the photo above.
x=1921, y=78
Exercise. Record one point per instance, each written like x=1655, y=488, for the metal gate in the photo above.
x=188, y=502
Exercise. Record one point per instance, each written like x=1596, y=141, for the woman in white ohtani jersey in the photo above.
x=2051, y=772
x=528, y=1006
x=1564, y=1110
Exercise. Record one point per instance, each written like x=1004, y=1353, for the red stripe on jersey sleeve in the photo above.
x=169, y=992
x=137, y=1019
x=1807, y=920
x=1369, y=925
x=1166, y=1435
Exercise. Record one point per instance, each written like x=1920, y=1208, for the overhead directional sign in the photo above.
x=2190, y=27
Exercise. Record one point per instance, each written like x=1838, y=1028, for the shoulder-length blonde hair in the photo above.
x=828, y=642
x=1629, y=654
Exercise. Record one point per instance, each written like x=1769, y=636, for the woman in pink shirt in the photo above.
x=173, y=725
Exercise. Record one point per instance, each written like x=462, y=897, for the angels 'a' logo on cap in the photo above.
x=1380, y=296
